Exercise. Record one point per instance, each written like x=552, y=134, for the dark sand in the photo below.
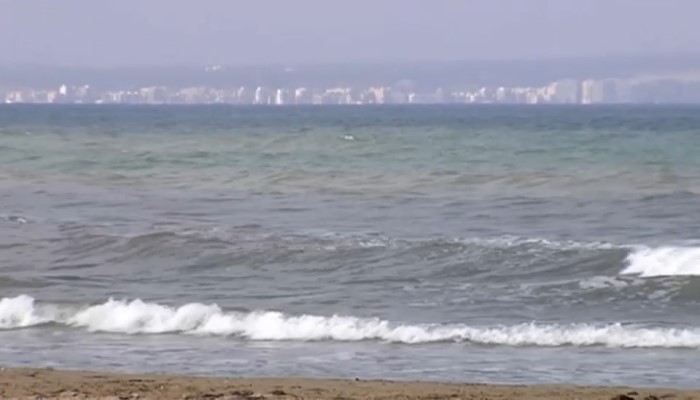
x=51, y=384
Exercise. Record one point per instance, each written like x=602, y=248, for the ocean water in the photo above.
x=481, y=244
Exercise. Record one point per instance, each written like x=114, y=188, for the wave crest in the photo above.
x=19, y=312
x=139, y=317
x=663, y=261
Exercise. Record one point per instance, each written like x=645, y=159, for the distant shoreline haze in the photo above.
x=636, y=79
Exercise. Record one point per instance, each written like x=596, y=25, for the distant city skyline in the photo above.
x=597, y=80
x=649, y=90
x=179, y=32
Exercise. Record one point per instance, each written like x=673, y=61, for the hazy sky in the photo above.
x=165, y=32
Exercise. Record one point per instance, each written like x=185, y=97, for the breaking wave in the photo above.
x=663, y=261
x=642, y=260
x=139, y=317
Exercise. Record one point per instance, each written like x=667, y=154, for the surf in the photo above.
x=136, y=317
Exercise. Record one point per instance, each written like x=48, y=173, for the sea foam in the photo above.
x=139, y=317
x=663, y=261
x=19, y=312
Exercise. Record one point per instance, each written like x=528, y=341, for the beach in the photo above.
x=55, y=384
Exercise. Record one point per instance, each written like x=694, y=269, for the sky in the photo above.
x=107, y=33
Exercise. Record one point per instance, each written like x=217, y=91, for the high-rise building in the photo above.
x=262, y=96
x=245, y=96
x=591, y=91
x=282, y=97
x=565, y=91
x=381, y=94
x=303, y=96
x=599, y=91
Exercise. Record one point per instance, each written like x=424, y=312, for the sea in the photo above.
x=494, y=244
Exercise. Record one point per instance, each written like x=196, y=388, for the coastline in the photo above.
x=25, y=383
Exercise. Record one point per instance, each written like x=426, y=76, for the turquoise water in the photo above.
x=494, y=244
x=424, y=149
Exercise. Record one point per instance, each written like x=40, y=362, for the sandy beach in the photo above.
x=53, y=384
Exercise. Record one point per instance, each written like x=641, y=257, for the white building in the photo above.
x=261, y=96
x=282, y=97
x=565, y=91
x=599, y=91
x=302, y=96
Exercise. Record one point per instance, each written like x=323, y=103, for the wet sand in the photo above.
x=52, y=384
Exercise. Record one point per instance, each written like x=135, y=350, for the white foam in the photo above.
x=507, y=241
x=18, y=312
x=139, y=317
x=663, y=261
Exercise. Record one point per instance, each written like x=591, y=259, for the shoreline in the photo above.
x=36, y=383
